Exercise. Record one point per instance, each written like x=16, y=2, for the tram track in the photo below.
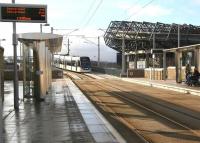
x=131, y=101
x=96, y=91
x=82, y=76
x=127, y=123
x=185, y=116
x=128, y=99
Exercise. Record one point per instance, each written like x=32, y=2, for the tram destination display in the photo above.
x=23, y=13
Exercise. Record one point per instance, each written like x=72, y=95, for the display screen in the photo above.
x=23, y=13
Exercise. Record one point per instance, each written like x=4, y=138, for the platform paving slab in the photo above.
x=66, y=115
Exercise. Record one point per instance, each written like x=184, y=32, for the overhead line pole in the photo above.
x=68, y=44
x=98, y=46
x=98, y=51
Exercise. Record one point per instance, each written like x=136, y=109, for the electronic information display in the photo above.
x=23, y=13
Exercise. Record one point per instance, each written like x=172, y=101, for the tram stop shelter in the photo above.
x=37, y=56
x=193, y=49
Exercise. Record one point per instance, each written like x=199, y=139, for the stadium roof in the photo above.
x=139, y=35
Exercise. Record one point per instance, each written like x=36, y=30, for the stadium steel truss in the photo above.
x=139, y=35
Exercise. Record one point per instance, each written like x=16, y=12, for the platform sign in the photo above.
x=23, y=13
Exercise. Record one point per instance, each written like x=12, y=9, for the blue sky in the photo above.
x=90, y=15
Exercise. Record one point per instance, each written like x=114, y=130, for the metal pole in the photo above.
x=68, y=46
x=179, y=60
x=16, y=95
x=40, y=28
x=178, y=35
x=98, y=51
x=153, y=56
x=51, y=30
x=1, y=117
x=123, y=57
x=164, y=66
x=135, y=58
x=52, y=62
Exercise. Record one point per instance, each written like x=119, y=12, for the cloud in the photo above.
x=153, y=11
x=123, y=5
x=196, y=1
x=139, y=11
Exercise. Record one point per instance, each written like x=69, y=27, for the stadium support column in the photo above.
x=135, y=60
x=178, y=64
x=153, y=57
x=197, y=57
x=178, y=60
x=164, y=65
x=123, y=71
x=147, y=60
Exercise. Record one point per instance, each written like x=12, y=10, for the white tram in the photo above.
x=72, y=63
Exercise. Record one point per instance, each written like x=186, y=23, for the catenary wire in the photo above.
x=147, y=4
x=93, y=14
x=89, y=9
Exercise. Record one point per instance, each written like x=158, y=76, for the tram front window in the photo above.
x=85, y=62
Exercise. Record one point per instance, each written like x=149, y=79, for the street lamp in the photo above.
x=46, y=24
x=2, y=40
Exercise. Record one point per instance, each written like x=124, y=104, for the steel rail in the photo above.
x=150, y=110
x=124, y=121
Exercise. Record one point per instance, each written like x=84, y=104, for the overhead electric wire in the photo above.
x=139, y=9
x=93, y=14
x=89, y=9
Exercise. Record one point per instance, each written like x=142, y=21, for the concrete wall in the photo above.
x=171, y=73
x=156, y=74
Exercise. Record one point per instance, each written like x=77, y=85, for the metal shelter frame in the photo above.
x=37, y=61
x=178, y=59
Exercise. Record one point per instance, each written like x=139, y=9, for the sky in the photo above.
x=89, y=16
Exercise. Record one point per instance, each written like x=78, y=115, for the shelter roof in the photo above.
x=52, y=41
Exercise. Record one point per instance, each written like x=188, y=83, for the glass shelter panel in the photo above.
x=28, y=69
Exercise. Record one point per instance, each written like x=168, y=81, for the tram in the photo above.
x=73, y=63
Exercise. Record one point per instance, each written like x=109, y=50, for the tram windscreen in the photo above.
x=85, y=62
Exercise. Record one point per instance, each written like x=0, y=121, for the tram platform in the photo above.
x=66, y=115
x=166, y=84
x=163, y=84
